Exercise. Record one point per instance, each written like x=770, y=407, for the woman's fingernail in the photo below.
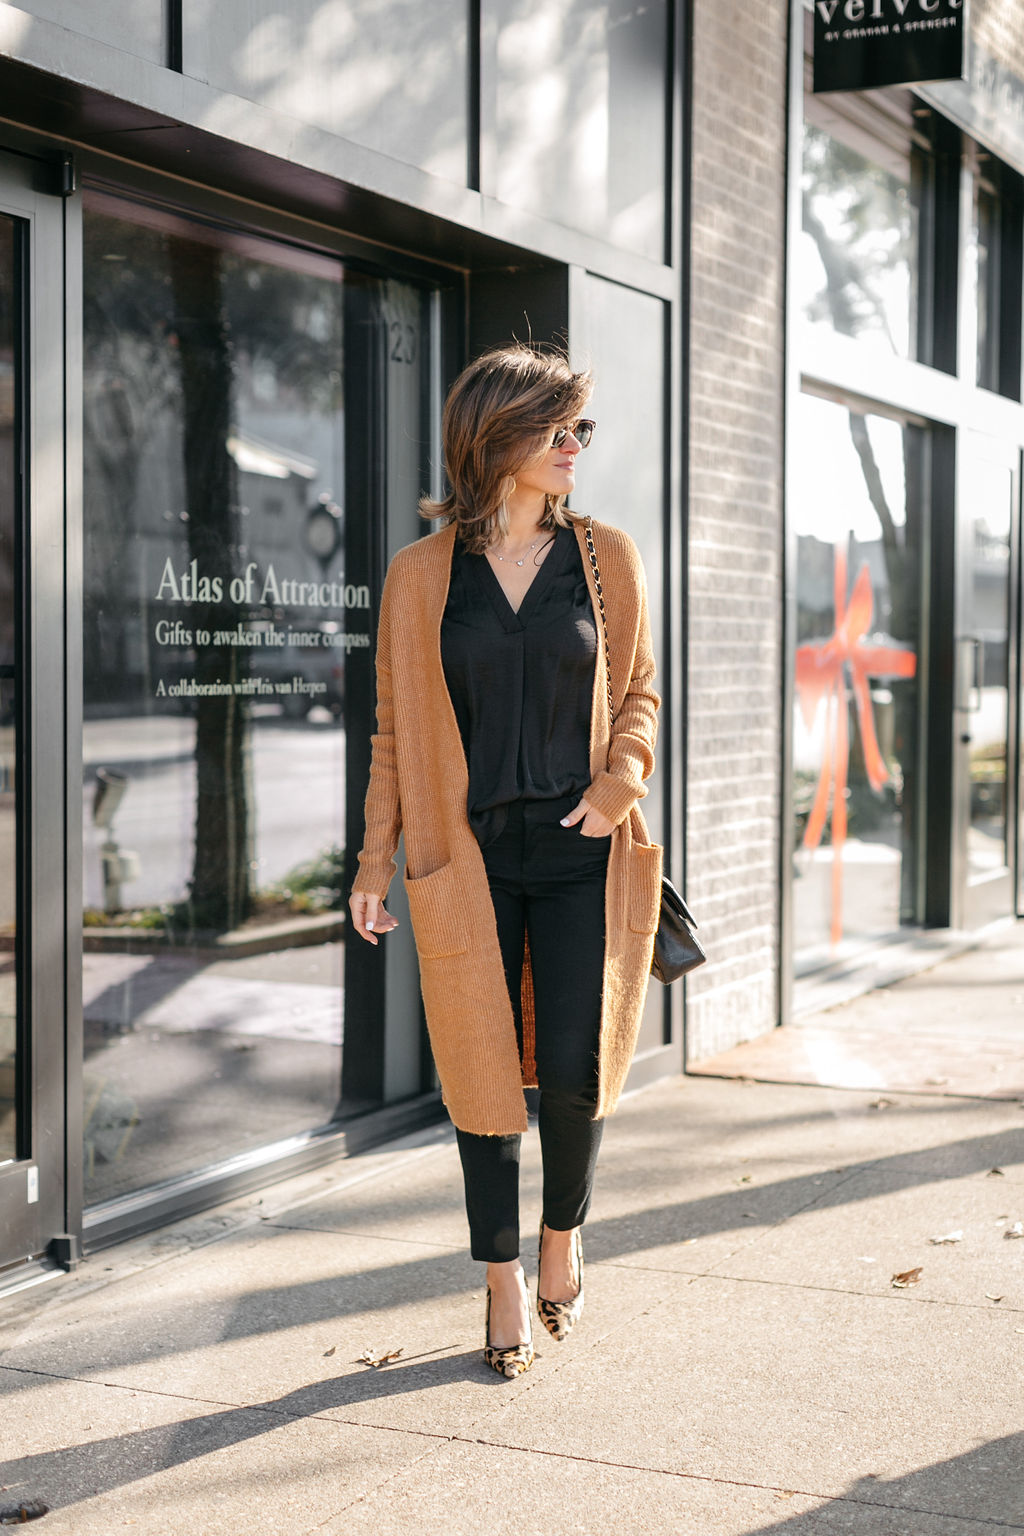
x=369, y=925
x=564, y=821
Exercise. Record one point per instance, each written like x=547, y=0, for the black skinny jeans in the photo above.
x=547, y=882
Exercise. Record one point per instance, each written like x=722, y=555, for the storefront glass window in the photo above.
x=857, y=257
x=988, y=237
x=8, y=708
x=983, y=684
x=995, y=249
x=856, y=721
x=227, y=600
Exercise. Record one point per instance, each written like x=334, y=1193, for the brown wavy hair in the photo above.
x=499, y=417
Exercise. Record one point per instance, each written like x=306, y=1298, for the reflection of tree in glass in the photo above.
x=863, y=223
x=233, y=320
x=220, y=871
x=286, y=334
x=178, y=332
x=130, y=402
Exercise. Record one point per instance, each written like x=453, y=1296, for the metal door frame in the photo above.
x=34, y=1206
x=968, y=912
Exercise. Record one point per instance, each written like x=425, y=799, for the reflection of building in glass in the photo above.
x=857, y=257
x=854, y=731
x=828, y=673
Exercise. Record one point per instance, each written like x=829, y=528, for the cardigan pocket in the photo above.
x=645, y=860
x=436, y=906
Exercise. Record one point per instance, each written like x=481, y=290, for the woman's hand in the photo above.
x=594, y=824
x=369, y=917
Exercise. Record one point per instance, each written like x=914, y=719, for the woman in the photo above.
x=514, y=771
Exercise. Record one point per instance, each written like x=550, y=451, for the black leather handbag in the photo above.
x=676, y=948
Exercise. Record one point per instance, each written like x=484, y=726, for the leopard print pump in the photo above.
x=561, y=1317
x=509, y=1362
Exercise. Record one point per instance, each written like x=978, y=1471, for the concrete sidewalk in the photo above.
x=955, y=1028
x=744, y=1366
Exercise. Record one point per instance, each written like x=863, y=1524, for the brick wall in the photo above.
x=735, y=543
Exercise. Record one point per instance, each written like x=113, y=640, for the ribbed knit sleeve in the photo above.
x=383, y=814
x=635, y=729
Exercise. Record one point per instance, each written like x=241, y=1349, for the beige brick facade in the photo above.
x=735, y=514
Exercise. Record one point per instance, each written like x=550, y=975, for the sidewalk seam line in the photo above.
x=413, y=1242
x=733, y=1482
x=838, y=1290
x=220, y=1402
x=775, y=1226
x=905, y=1093
x=363, y=1498
x=689, y=1275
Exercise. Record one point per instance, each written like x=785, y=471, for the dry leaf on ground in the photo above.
x=881, y=1103
x=329, y=1352
x=989, y=1297
x=950, y=1237
x=22, y=1512
x=995, y=1173
x=907, y=1277
x=1017, y=1230
x=368, y=1357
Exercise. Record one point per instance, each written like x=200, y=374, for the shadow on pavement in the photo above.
x=185, y=1325
x=982, y=1488
x=67, y=1475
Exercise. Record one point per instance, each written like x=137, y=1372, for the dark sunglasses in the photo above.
x=582, y=431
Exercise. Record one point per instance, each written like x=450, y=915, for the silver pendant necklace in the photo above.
x=506, y=561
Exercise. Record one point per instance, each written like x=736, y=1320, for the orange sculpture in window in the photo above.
x=826, y=670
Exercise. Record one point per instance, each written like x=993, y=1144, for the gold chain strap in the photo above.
x=589, y=532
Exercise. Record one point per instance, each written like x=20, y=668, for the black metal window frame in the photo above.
x=33, y=1185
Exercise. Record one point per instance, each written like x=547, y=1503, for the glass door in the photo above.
x=856, y=518
x=252, y=411
x=32, y=1129
x=984, y=712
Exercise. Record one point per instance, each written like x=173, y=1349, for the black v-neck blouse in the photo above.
x=521, y=683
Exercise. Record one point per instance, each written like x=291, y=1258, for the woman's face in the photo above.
x=553, y=471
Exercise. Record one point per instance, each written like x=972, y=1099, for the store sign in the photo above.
x=291, y=638
x=860, y=45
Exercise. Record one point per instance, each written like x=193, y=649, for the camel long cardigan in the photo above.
x=419, y=781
